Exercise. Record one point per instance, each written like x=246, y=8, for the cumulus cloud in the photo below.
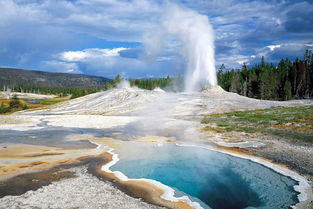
x=35, y=32
x=59, y=66
x=273, y=47
x=86, y=54
x=99, y=61
x=274, y=54
x=110, y=62
x=36, y=29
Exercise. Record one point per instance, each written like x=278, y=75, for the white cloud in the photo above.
x=59, y=66
x=71, y=56
x=241, y=62
x=109, y=63
x=87, y=54
x=161, y=59
x=233, y=61
x=273, y=47
x=105, y=62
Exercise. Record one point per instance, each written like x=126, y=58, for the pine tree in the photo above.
x=221, y=77
x=235, y=85
x=287, y=90
x=262, y=62
x=117, y=80
x=15, y=102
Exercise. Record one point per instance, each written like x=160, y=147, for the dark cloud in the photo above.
x=222, y=49
x=132, y=53
x=300, y=18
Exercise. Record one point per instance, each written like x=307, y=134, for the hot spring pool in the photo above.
x=213, y=179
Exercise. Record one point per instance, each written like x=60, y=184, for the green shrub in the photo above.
x=15, y=102
x=25, y=107
x=4, y=109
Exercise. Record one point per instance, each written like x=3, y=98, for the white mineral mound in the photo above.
x=112, y=102
x=158, y=89
x=158, y=103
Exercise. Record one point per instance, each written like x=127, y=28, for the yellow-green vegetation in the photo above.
x=295, y=123
x=14, y=104
x=51, y=101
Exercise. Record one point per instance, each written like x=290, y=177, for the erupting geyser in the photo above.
x=197, y=36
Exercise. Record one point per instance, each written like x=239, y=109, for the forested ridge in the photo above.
x=78, y=92
x=13, y=77
x=287, y=80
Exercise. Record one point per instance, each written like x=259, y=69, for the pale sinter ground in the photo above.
x=133, y=113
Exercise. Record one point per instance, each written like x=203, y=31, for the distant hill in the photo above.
x=12, y=76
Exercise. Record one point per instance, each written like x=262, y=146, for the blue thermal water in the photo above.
x=213, y=179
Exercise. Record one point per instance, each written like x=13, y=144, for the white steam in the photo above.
x=123, y=84
x=196, y=34
x=197, y=37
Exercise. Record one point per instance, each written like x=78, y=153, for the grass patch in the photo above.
x=51, y=101
x=286, y=122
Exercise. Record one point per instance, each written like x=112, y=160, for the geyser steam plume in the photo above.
x=197, y=37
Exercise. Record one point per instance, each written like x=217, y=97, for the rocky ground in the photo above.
x=296, y=155
x=283, y=135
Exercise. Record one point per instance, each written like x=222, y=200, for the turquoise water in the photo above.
x=213, y=179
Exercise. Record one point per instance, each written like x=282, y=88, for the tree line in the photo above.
x=151, y=84
x=146, y=83
x=78, y=92
x=60, y=91
x=288, y=80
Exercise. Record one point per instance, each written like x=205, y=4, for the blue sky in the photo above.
x=106, y=37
